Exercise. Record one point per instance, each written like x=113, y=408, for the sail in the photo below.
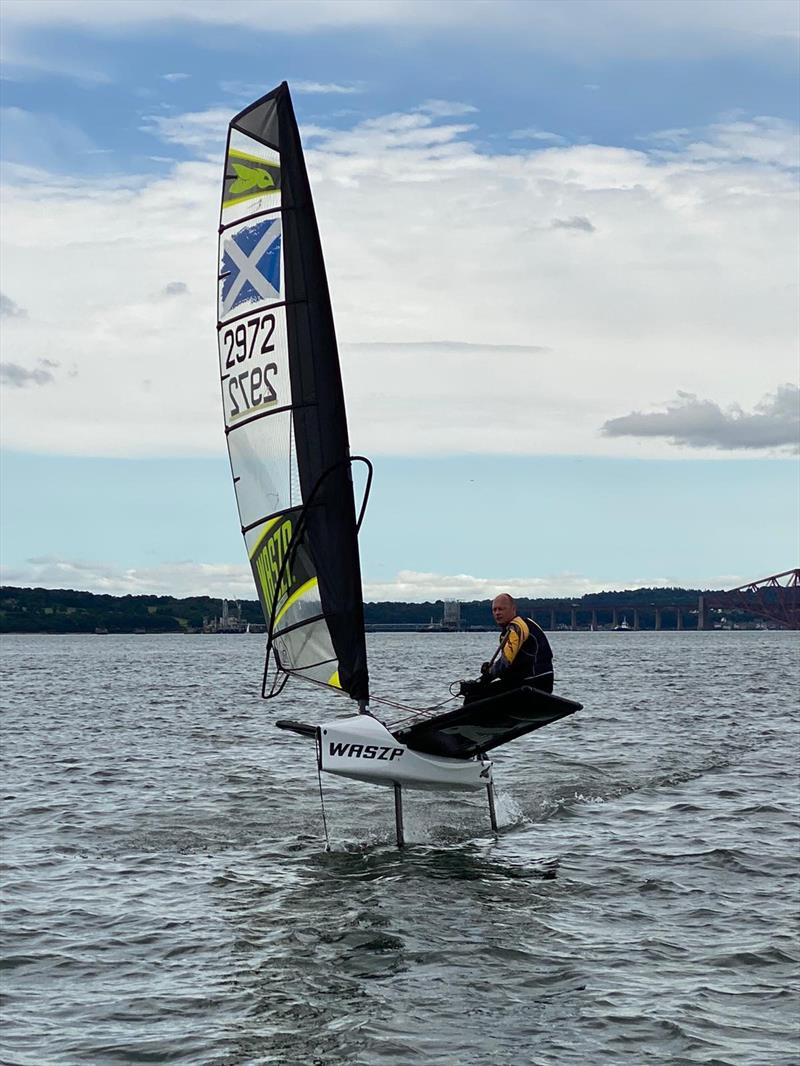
x=283, y=402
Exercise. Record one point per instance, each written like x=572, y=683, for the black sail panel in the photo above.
x=285, y=413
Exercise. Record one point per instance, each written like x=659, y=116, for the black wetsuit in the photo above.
x=524, y=652
x=533, y=657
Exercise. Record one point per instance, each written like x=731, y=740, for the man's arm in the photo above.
x=513, y=640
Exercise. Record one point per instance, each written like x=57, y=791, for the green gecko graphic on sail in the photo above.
x=248, y=177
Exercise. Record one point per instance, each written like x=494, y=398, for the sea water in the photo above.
x=167, y=895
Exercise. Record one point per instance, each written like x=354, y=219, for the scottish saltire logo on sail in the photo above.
x=250, y=267
x=249, y=177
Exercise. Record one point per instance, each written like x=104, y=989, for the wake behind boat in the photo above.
x=286, y=429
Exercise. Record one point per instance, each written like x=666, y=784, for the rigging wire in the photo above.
x=296, y=537
x=413, y=712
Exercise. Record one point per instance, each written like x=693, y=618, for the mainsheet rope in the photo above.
x=413, y=712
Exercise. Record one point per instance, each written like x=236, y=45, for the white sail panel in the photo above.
x=312, y=654
x=254, y=365
x=261, y=460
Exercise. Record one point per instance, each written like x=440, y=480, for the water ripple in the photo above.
x=167, y=896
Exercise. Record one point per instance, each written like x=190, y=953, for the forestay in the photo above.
x=284, y=406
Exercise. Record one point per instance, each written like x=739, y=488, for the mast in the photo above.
x=285, y=419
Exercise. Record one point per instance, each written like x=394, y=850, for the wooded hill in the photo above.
x=35, y=610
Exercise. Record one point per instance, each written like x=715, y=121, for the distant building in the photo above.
x=451, y=618
x=230, y=621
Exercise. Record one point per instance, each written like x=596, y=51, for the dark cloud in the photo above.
x=773, y=423
x=580, y=222
x=175, y=288
x=19, y=378
x=8, y=309
x=451, y=347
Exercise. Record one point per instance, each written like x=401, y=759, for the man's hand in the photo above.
x=485, y=668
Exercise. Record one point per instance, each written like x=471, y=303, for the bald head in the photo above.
x=504, y=608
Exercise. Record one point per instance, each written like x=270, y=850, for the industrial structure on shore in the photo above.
x=231, y=621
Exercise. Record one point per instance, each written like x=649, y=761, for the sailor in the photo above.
x=524, y=652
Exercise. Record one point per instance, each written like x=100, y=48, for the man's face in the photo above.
x=502, y=610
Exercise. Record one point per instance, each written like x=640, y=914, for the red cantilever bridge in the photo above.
x=776, y=599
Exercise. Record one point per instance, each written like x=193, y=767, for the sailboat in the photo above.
x=287, y=437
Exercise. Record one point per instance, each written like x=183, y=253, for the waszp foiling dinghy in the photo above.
x=286, y=430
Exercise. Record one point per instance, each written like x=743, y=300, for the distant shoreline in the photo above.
x=60, y=611
x=371, y=631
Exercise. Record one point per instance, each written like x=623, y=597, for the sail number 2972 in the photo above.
x=240, y=341
x=249, y=386
x=252, y=388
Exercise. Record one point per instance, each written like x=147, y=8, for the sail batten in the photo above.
x=283, y=403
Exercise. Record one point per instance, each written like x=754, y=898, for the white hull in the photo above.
x=362, y=748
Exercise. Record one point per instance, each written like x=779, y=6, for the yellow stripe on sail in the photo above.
x=267, y=527
x=295, y=596
x=333, y=680
x=253, y=158
x=249, y=196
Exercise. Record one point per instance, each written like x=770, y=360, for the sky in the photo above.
x=562, y=244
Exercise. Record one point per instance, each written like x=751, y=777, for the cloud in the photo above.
x=253, y=90
x=23, y=61
x=168, y=579
x=8, y=309
x=201, y=131
x=41, y=140
x=533, y=134
x=175, y=77
x=384, y=133
x=412, y=586
x=225, y=580
x=579, y=222
x=583, y=28
x=446, y=108
x=18, y=377
x=774, y=423
x=418, y=586
x=445, y=348
x=761, y=139
x=175, y=288
x=466, y=322
x=325, y=88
